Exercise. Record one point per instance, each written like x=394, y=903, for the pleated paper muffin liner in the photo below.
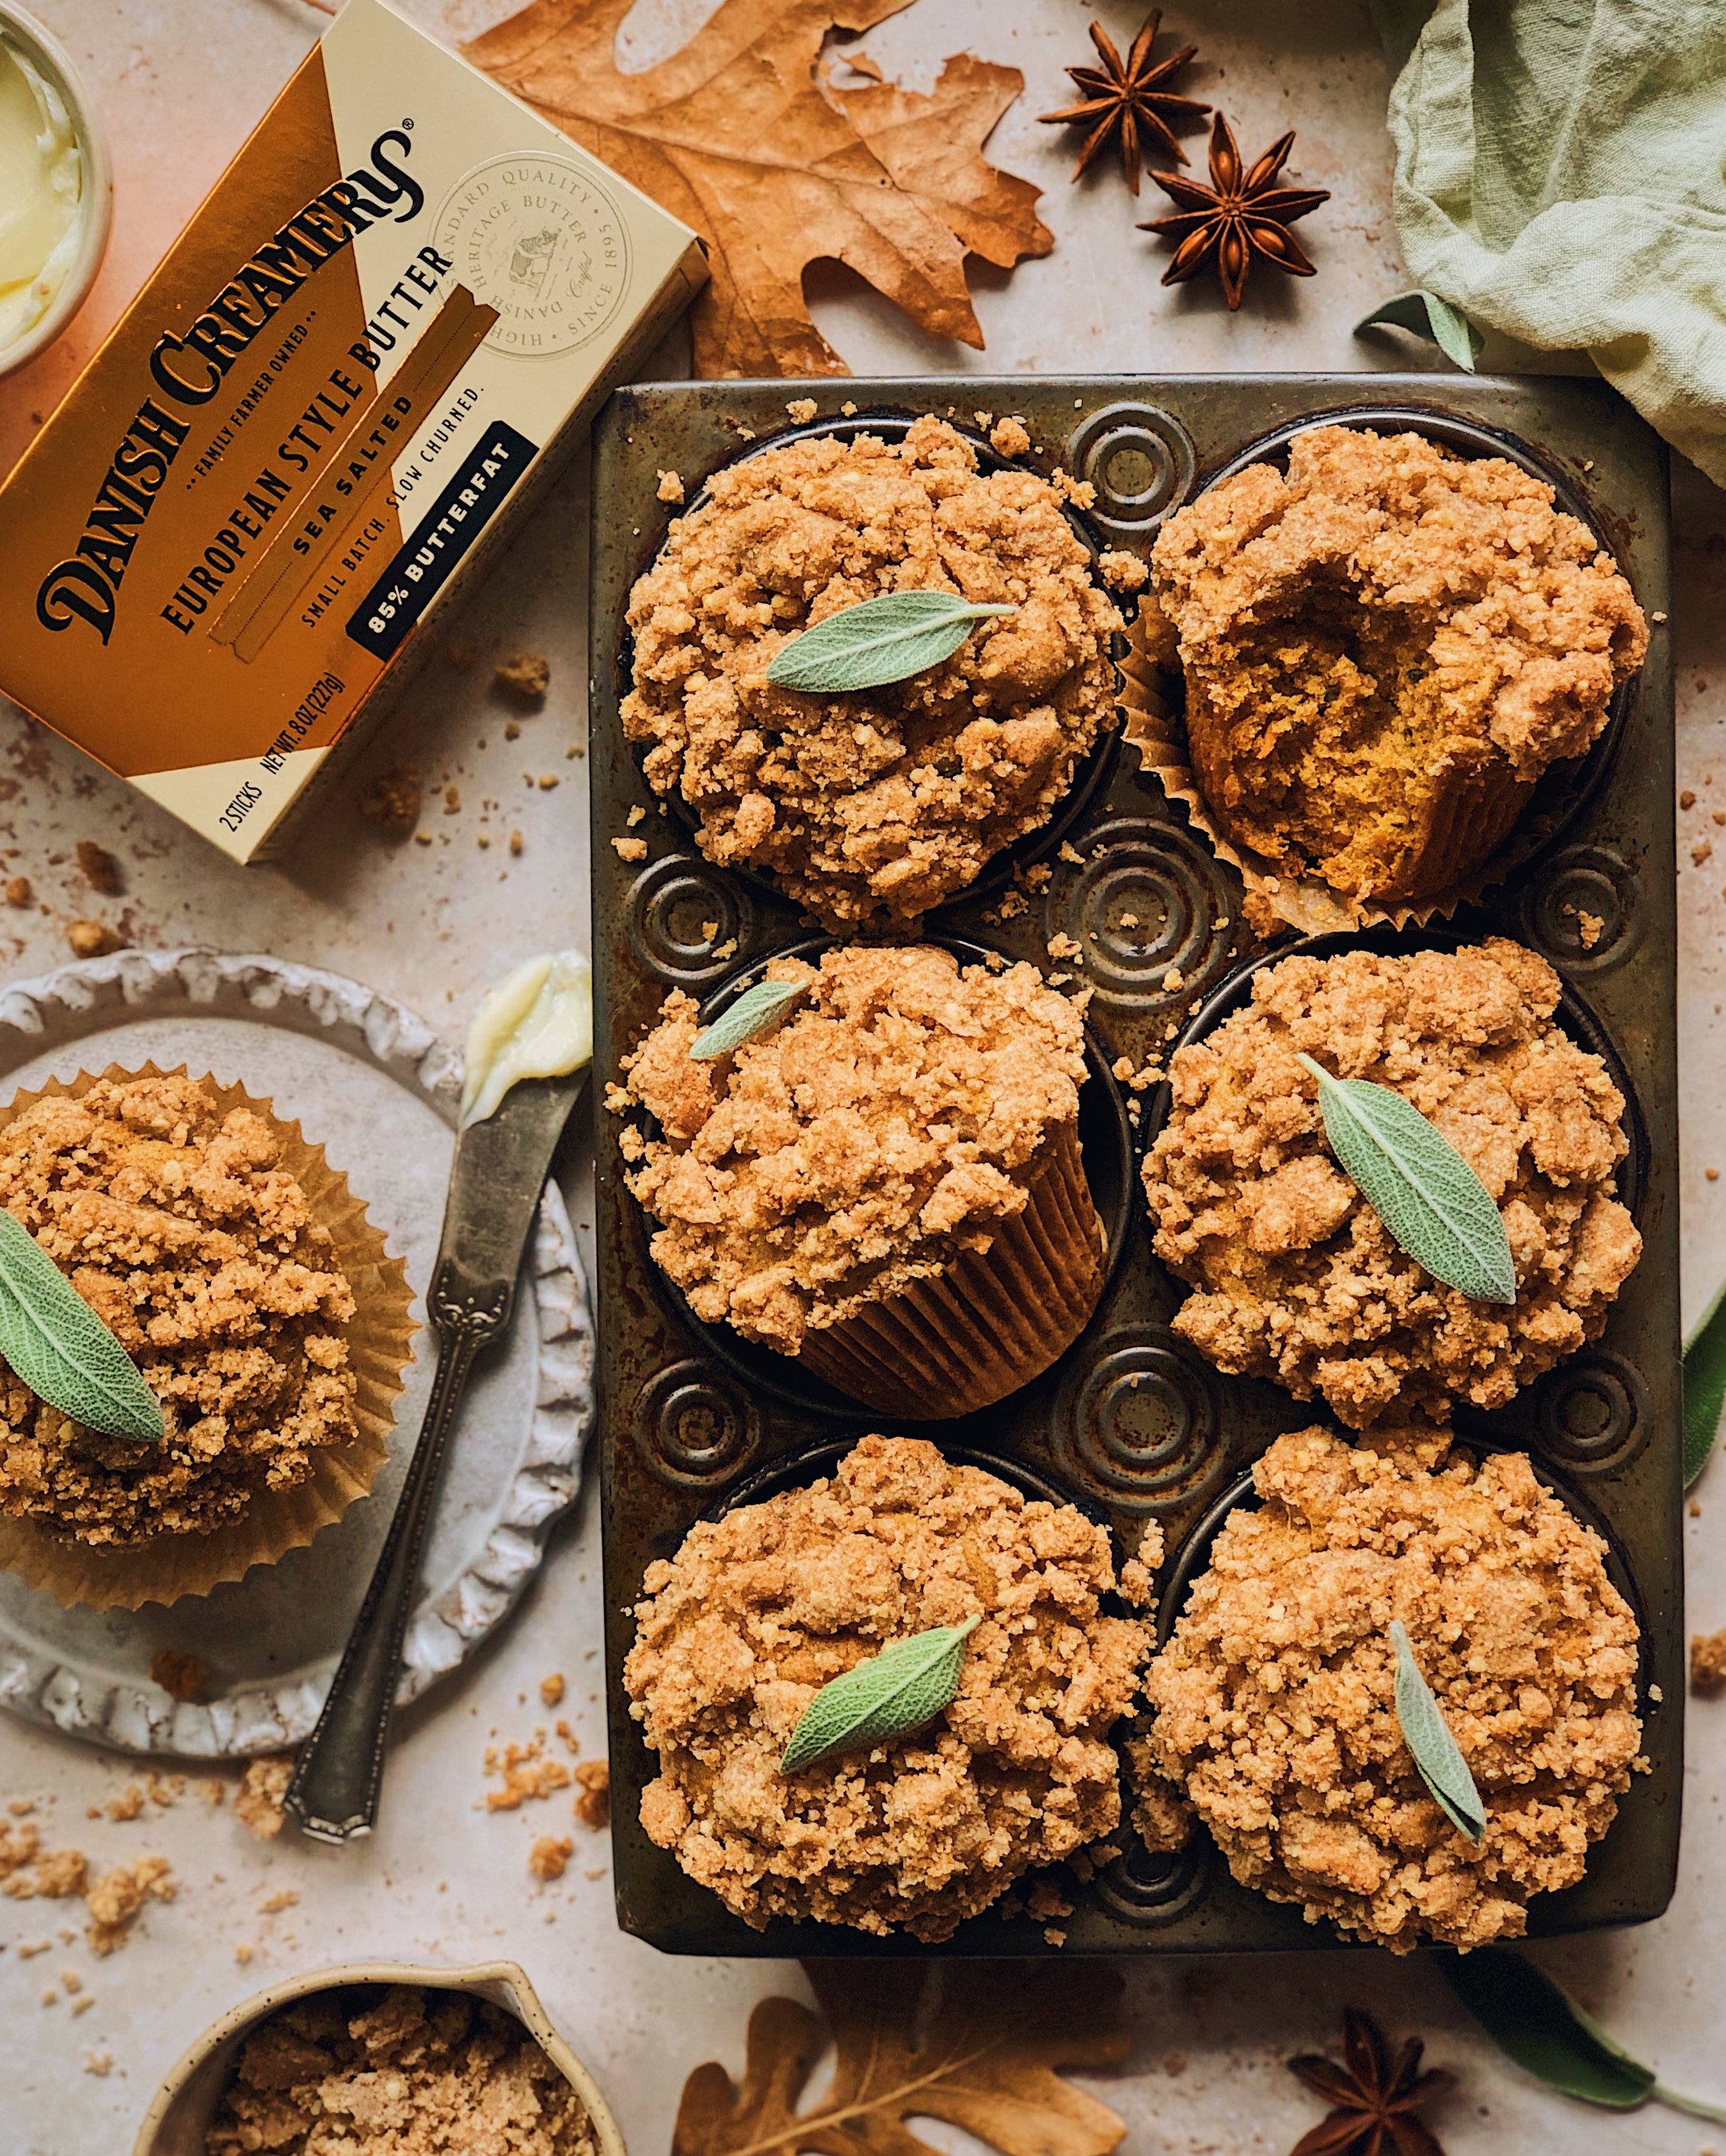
x=169, y=1567
x=1479, y=801
x=989, y=1322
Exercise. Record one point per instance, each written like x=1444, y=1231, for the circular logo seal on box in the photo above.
x=535, y=238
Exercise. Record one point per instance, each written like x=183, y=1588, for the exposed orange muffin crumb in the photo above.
x=370, y=2071
x=1384, y=650
x=875, y=806
x=1297, y=1278
x=180, y=1227
x=877, y=1129
x=1275, y=1699
x=760, y=1609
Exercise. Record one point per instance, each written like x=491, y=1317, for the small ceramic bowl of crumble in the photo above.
x=383, y=2059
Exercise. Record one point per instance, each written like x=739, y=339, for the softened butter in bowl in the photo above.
x=55, y=190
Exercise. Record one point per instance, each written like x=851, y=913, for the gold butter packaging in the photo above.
x=369, y=349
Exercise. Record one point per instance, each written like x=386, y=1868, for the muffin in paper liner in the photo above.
x=990, y=1321
x=379, y=1336
x=1481, y=800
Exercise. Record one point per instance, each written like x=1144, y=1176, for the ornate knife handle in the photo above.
x=336, y=1782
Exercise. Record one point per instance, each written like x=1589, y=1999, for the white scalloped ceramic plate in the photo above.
x=378, y=1089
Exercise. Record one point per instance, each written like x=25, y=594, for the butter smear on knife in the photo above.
x=537, y=1023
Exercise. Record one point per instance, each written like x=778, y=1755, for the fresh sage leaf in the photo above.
x=897, y=1691
x=1429, y=316
x=876, y=641
x=1705, y=1387
x=61, y=1349
x=1535, y=2022
x=1427, y=1734
x=1432, y=1202
x=753, y=1011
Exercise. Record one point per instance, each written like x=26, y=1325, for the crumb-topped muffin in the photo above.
x=1295, y=1276
x=1275, y=1699
x=899, y=1143
x=366, y=2070
x=873, y=806
x=1384, y=650
x=179, y=1225
x=763, y=1607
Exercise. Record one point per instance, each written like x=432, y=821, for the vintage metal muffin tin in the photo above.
x=1131, y=1424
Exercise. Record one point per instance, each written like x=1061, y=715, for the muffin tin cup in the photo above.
x=1138, y=906
x=1526, y=818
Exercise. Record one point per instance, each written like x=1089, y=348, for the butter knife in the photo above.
x=499, y=1171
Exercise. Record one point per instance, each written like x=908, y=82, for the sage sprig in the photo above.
x=1436, y=1751
x=1428, y=1196
x=878, y=640
x=1429, y=316
x=1535, y=2022
x=1705, y=1387
x=753, y=1011
x=905, y=1684
x=61, y=1349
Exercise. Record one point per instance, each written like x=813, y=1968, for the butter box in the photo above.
x=389, y=320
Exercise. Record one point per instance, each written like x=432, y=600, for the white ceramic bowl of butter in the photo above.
x=56, y=189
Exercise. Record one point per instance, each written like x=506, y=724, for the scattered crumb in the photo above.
x=93, y=939
x=1062, y=946
x=1054, y=1936
x=82, y=2006
x=849, y=408
x=1708, y=1661
x=593, y=1807
x=243, y=1954
x=670, y=486
x=181, y=1676
x=549, y=1855
x=516, y=842
x=513, y=730
x=802, y=409
x=525, y=677
x=1687, y=799
x=638, y=814
x=1174, y=980
x=391, y=802
x=547, y=780
x=52, y=1874
x=1712, y=1173
x=1069, y=852
x=272, y=1904
x=258, y=1801
x=50, y=1996
x=99, y=869
x=1700, y=850
x=526, y=1774
x=18, y=891
x=629, y=850
x=422, y=838
x=1010, y=438
x=552, y=1690
x=452, y=800
x=115, y=1900
x=1123, y=572
x=99, y=2063
x=1080, y=492
x=728, y=949
x=1589, y=926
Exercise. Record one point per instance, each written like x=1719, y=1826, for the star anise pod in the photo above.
x=1125, y=101
x=1241, y=214
x=1374, y=2100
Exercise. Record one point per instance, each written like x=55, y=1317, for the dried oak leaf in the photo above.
x=984, y=2059
x=744, y=135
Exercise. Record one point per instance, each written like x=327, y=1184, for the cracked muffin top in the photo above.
x=875, y=806
x=880, y=1127
x=760, y=1609
x=1383, y=649
x=1295, y=1276
x=178, y=1224
x=1275, y=1699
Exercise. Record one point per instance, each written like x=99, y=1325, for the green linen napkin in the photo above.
x=1561, y=178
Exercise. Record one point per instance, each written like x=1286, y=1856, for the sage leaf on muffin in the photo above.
x=1436, y=1751
x=885, y=638
x=752, y=1013
x=1429, y=1200
x=908, y=1683
x=55, y=1343
x=1535, y=2022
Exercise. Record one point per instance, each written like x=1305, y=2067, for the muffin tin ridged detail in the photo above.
x=1172, y=1449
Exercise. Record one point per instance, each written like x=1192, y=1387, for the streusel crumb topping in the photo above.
x=762, y=1608
x=881, y=1127
x=1295, y=1276
x=179, y=1226
x=1274, y=1700
x=364, y=2071
x=875, y=806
